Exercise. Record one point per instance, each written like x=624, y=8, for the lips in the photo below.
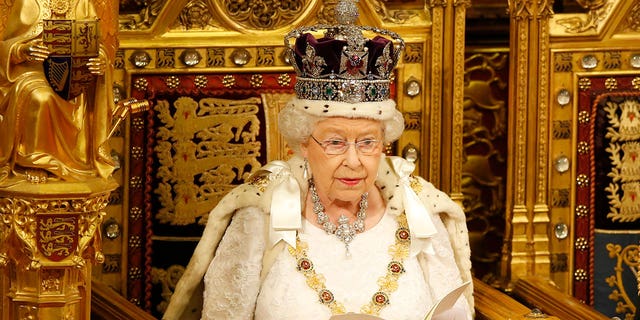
x=350, y=181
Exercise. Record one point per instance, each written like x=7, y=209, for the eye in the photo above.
x=335, y=143
x=367, y=142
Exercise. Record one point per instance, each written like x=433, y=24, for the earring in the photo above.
x=305, y=173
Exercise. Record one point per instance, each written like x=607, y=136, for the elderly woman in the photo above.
x=339, y=228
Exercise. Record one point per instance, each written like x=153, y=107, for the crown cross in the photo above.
x=353, y=65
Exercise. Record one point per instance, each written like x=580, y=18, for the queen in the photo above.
x=340, y=228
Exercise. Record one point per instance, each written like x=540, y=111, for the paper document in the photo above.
x=447, y=301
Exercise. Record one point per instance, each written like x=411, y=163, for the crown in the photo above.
x=344, y=65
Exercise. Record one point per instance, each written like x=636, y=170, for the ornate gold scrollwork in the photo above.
x=168, y=279
x=196, y=15
x=19, y=221
x=627, y=257
x=6, y=227
x=484, y=125
x=632, y=20
x=263, y=14
x=144, y=19
x=598, y=9
x=394, y=16
x=51, y=280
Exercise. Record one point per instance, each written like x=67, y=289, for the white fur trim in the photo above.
x=377, y=110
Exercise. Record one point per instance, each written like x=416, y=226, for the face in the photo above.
x=344, y=177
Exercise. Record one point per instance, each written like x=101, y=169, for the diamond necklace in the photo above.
x=344, y=231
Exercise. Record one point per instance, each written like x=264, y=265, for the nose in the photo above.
x=352, y=158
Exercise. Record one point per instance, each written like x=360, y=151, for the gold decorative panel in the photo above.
x=205, y=134
x=595, y=61
x=624, y=268
x=203, y=147
x=49, y=241
x=624, y=156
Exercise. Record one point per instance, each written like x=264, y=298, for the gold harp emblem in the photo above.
x=58, y=73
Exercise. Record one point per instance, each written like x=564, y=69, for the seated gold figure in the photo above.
x=46, y=134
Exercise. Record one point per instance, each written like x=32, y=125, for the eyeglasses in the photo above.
x=336, y=147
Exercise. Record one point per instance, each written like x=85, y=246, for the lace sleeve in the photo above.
x=440, y=267
x=443, y=275
x=232, y=281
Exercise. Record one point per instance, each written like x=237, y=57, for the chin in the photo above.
x=350, y=195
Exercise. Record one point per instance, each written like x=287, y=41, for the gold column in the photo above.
x=445, y=116
x=49, y=238
x=454, y=97
x=526, y=248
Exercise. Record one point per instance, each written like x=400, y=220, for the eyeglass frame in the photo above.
x=356, y=145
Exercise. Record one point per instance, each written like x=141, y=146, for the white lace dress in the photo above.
x=233, y=289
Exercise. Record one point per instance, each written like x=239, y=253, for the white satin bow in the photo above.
x=418, y=217
x=285, y=211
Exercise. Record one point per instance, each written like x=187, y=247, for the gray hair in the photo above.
x=296, y=126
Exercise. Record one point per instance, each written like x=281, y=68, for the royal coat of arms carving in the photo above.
x=72, y=43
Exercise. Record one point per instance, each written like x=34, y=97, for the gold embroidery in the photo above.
x=260, y=181
x=204, y=148
x=415, y=184
x=624, y=148
x=626, y=257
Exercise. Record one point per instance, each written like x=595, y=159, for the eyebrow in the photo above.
x=341, y=131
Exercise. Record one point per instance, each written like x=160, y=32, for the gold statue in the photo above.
x=52, y=128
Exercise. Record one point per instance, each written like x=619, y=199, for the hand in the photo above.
x=34, y=50
x=97, y=65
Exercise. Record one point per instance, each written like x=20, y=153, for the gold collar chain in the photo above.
x=387, y=283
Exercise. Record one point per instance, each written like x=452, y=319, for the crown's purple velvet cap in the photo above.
x=332, y=49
